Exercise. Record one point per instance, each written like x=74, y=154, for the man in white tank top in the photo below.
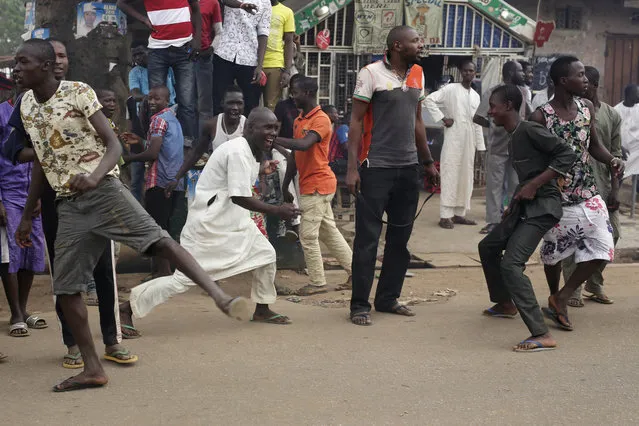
x=217, y=130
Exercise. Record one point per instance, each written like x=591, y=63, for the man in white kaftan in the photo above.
x=219, y=232
x=455, y=104
x=629, y=112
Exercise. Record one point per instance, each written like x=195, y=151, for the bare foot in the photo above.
x=236, y=308
x=82, y=381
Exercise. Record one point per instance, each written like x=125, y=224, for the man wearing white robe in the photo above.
x=629, y=112
x=455, y=104
x=219, y=232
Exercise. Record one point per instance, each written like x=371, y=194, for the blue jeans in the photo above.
x=177, y=58
x=204, y=84
x=137, y=179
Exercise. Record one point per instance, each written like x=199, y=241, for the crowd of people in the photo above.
x=204, y=182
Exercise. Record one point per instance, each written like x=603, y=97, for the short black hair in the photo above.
x=42, y=49
x=629, y=90
x=510, y=93
x=294, y=78
x=100, y=91
x=524, y=64
x=466, y=62
x=328, y=108
x=308, y=84
x=592, y=74
x=395, y=34
x=509, y=68
x=561, y=68
x=234, y=88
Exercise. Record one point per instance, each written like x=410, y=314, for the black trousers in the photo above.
x=517, y=238
x=396, y=192
x=102, y=274
x=226, y=73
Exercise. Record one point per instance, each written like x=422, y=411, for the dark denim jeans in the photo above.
x=204, y=83
x=396, y=192
x=177, y=58
x=226, y=73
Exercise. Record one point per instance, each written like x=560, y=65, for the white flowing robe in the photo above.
x=461, y=140
x=220, y=234
x=630, y=136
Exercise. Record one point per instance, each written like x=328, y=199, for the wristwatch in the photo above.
x=285, y=70
x=428, y=162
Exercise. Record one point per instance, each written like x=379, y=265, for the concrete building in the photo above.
x=604, y=34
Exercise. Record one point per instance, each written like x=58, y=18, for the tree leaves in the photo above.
x=11, y=25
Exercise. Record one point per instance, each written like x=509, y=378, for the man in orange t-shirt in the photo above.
x=312, y=133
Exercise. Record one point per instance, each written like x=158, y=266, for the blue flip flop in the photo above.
x=493, y=313
x=539, y=347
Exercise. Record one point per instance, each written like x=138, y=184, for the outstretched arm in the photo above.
x=303, y=144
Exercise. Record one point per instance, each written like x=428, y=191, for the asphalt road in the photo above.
x=447, y=366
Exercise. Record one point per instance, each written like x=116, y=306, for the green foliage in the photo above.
x=11, y=25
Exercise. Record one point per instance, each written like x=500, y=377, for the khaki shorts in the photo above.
x=86, y=225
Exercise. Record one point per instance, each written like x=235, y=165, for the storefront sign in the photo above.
x=90, y=14
x=507, y=16
x=427, y=17
x=543, y=31
x=323, y=39
x=316, y=12
x=373, y=21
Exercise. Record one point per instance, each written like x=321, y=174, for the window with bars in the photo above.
x=569, y=18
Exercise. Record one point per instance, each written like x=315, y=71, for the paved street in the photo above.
x=447, y=365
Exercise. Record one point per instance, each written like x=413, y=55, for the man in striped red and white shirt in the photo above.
x=175, y=41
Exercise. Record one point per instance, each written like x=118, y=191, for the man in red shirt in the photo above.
x=211, y=29
x=175, y=42
x=312, y=132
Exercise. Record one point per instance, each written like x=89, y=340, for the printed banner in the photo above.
x=373, y=20
x=507, y=16
x=315, y=12
x=427, y=17
x=92, y=14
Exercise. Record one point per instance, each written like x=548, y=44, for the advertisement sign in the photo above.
x=373, y=21
x=323, y=39
x=507, y=16
x=315, y=12
x=427, y=17
x=91, y=14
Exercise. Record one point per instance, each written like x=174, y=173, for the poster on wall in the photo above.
x=373, y=20
x=29, y=16
x=41, y=33
x=91, y=14
x=427, y=17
